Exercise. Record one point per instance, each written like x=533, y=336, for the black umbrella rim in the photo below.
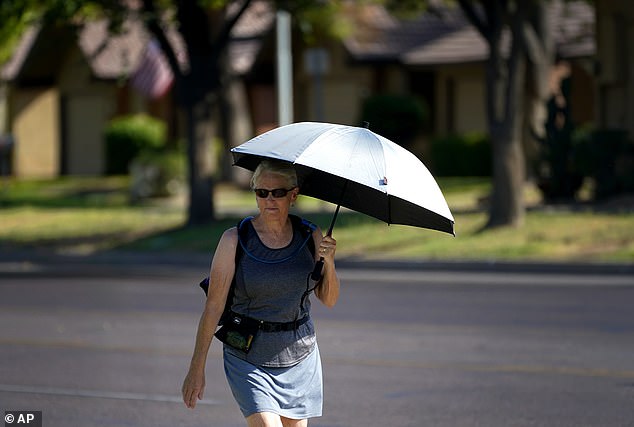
x=443, y=224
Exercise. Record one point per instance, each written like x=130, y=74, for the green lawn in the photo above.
x=85, y=215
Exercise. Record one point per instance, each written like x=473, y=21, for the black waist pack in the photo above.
x=238, y=332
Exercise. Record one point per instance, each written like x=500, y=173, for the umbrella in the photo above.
x=356, y=168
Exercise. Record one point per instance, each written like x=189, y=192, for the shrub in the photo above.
x=127, y=136
x=157, y=174
x=607, y=156
x=461, y=155
x=399, y=118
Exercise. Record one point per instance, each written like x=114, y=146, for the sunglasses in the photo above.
x=277, y=193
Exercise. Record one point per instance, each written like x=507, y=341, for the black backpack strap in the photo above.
x=204, y=284
x=305, y=228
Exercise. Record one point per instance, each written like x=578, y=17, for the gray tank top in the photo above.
x=269, y=286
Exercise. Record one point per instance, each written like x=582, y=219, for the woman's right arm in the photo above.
x=220, y=277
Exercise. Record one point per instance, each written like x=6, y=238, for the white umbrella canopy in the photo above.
x=356, y=168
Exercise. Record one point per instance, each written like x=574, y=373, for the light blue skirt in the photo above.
x=295, y=392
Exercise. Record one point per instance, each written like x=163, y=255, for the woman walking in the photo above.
x=270, y=353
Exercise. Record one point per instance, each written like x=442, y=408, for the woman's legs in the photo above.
x=269, y=419
x=264, y=419
x=289, y=422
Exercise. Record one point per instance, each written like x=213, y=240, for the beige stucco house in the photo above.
x=59, y=92
x=440, y=57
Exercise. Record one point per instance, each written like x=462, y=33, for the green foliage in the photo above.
x=17, y=15
x=319, y=21
x=606, y=156
x=59, y=11
x=126, y=137
x=213, y=4
x=406, y=8
x=90, y=214
x=157, y=174
x=461, y=155
x=397, y=117
x=15, y=18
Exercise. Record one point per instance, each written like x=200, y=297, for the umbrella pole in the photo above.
x=319, y=265
x=334, y=219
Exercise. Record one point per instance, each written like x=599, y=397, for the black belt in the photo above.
x=274, y=326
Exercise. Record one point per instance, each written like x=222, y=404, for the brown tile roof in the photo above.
x=575, y=34
x=113, y=56
x=247, y=36
x=457, y=46
x=393, y=38
x=12, y=67
x=444, y=36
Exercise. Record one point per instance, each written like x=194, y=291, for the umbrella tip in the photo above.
x=366, y=125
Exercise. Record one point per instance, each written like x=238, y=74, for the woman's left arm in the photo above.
x=327, y=289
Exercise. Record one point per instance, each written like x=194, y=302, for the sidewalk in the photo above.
x=146, y=263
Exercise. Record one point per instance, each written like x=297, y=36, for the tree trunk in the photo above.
x=201, y=207
x=506, y=91
x=507, y=202
x=505, y=86
x=199, y=28
x=541, y=52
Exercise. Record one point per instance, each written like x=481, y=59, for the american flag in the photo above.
x=153, y=77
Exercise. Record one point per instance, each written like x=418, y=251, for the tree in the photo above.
x=204, y=26
x=521, y=53
x=517, y=33
x=507, y=79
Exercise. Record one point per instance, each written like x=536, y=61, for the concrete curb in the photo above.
x=143, y=263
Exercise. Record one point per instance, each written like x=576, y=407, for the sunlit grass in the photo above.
x=89, y=214
x=545, y=236
x=81, y=229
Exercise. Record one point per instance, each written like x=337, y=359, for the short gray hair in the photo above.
x=278, y=167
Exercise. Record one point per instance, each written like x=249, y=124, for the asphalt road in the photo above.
x=403, y=347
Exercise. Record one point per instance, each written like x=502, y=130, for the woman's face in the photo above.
x=270, y=206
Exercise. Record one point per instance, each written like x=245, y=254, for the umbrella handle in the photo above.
x=319, y=265
x=316, y=274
